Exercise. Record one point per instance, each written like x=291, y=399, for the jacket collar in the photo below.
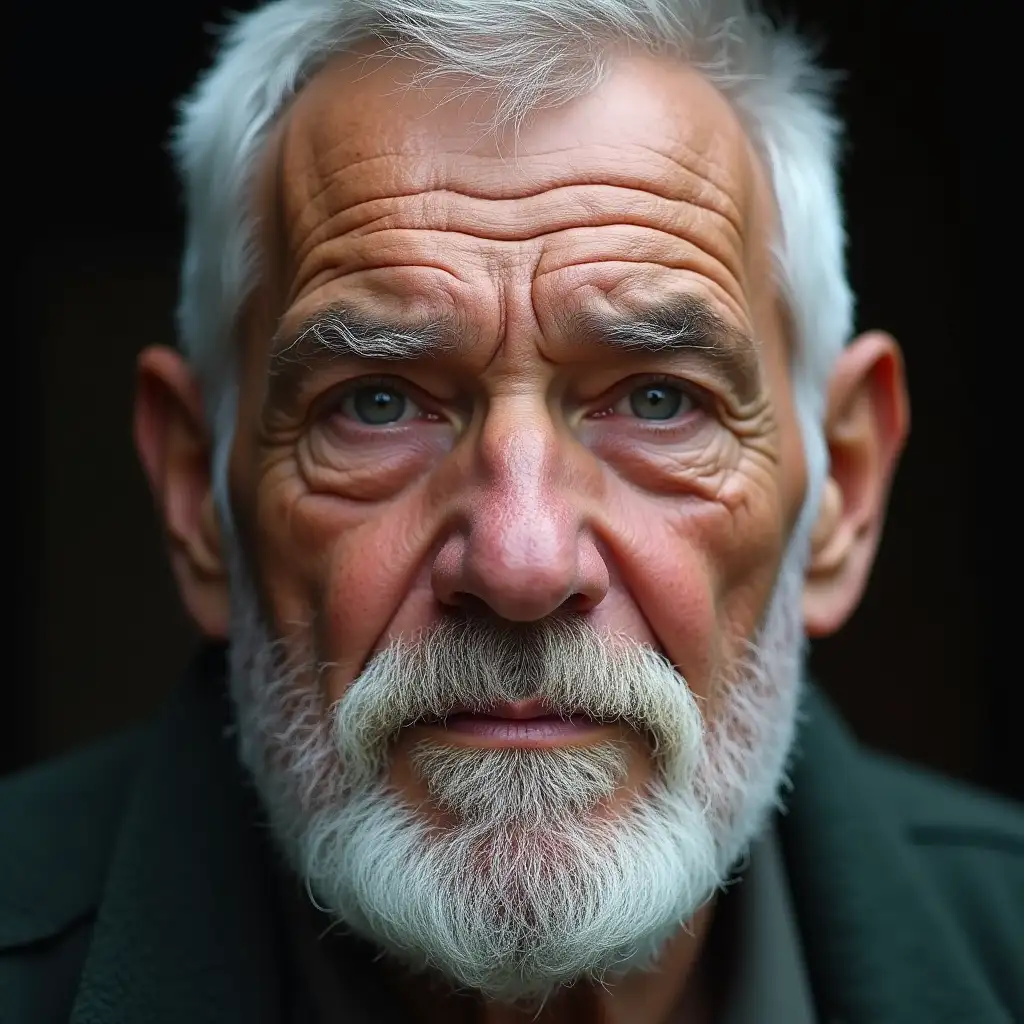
x=186, y=928
x=880, y=945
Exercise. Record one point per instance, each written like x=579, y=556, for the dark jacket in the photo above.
x=136, y=884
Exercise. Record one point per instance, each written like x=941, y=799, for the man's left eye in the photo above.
x=378, y=405
x=655, y=401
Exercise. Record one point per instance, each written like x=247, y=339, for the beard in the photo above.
x=527, y=887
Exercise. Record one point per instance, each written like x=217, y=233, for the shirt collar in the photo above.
x=768, y=981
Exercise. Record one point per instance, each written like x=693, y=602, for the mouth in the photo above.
x=525, y=724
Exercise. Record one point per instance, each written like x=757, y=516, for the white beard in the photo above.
x=529, y=890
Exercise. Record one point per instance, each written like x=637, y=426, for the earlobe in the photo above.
x=173, y=445
x=866, y=428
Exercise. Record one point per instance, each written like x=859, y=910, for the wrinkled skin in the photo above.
x=521, y=478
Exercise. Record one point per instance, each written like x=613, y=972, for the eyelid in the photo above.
x=698, y=395
x=333, y=399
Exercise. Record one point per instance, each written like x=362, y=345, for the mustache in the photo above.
x=473, y=664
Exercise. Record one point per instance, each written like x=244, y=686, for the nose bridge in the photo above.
x=523, y=550
x=525, y=519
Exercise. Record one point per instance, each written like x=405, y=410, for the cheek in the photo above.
x=376, y=585
x=343, y=569
x=699, y=572
x=668, y=581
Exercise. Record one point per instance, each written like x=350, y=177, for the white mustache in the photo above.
x=475, y=664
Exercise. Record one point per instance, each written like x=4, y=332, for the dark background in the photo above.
x=923, y=669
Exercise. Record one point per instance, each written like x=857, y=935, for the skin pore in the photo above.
x=527, y=461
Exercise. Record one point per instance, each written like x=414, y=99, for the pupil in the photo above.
x=377, y=405
x=656, y=402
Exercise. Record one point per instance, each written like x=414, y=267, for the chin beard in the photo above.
x=527, y=886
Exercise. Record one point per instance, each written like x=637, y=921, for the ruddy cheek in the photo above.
x=660, y=546
x=680, y=608
x=369, y=577
x=718, y=597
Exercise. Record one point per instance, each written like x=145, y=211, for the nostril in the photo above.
x=469, y=603
x=512, y=608
x=466, y=605
x=577, y=602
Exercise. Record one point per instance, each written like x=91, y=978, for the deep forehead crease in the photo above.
x=620, y=171
x=543, y=213
x=344, y=182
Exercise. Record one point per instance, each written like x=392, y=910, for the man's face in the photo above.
x=517, y=597
x=544, y=456
x=515, y=469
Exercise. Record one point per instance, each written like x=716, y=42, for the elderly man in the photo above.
x=516, y=445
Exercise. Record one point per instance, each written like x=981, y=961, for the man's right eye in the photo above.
x=377, y=405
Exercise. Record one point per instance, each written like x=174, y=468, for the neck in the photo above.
x=676, y=989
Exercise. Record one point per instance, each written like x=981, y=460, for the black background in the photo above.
x=927, y=667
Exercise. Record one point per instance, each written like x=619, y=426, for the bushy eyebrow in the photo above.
x=689, y=326
x=338, y=332
x=342, y=332
x=686, y=326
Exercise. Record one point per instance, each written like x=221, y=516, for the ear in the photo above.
x=866, y=427
x=175, y=450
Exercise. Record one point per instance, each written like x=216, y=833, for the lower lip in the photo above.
x=547, y=730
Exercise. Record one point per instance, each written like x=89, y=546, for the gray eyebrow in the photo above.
x=338, y=332
x=685, y=326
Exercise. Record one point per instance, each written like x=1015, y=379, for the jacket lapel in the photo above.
x=880, y=946
x=186, y=930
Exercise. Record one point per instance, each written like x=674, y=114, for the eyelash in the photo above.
x=334, y=401
x=697, y=395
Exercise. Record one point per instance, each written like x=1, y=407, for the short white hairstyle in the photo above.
x=526, y=53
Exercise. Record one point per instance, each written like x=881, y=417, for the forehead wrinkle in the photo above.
x=704, y=182
x=601, y=219
x=702, y=160
x=315, y=201
x=705, y=178
x=329, y=123
x=690, y=188
x=705, y=173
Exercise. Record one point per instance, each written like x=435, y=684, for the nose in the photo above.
x=521, y=545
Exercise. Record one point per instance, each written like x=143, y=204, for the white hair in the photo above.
x=526, y=53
